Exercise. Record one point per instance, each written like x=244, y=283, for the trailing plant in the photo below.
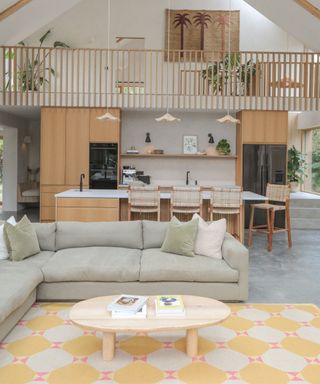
x=31, y=74
x=223, y=147
x=297, y=165
x=218, y=73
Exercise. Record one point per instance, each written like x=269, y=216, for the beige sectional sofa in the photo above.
x=82, y=260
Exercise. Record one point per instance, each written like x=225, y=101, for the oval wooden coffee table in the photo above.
x=200, y=312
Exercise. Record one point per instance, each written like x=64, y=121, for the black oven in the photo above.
x=103, y=166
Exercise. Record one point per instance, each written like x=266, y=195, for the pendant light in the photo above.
x=167, y=117
x=108, y=115
x=228, y=118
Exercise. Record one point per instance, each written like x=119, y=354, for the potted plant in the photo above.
x=223, y=147
x=218, y=73
x=296, y=168
x=28, y=74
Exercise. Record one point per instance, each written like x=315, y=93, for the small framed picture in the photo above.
x=190, y=144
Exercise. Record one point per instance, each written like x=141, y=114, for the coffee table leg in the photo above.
x=192, y=342
x=108, y=345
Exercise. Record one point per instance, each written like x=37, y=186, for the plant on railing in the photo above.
x=297, y=167
x=32, y=74
x=218, y=74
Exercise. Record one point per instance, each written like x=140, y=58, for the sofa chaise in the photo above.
x=82, y=260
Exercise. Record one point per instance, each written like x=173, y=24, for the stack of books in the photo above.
x=169, y=306
x=128, y=307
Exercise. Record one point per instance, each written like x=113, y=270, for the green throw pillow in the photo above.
x=180, y=237
x=21, y=239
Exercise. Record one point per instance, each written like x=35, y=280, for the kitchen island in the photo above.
x=112, y=205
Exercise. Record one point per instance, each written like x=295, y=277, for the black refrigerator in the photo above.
x=262, y=164
x=103, y=166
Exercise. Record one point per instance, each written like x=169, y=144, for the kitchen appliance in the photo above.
x=262, y=164
x=128, y=174
x=103, y=166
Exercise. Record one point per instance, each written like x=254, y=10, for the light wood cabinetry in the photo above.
x=53, y=146
x=66, y=134
x=259, y=127
x=104, y=131
x=264, y=127
x=86, y=209
x=77, y=145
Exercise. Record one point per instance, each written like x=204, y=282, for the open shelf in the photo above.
x=177, y=156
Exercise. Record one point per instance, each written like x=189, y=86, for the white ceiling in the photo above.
x=316, y=3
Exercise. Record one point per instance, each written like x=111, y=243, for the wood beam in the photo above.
x=309, y=7
x=13, y=8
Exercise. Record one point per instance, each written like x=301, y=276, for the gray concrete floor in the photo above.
x=281, y=276
x=285, y=275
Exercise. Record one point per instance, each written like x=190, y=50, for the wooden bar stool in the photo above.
x=275, y=193
x=186, y=200
x=227, y=202
x=143, y=200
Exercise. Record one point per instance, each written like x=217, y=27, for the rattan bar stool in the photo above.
x=186, y=200
x=227, y=201
x=143, y=200
x=275, y=193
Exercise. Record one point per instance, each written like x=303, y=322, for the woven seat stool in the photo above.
x=227, y=201
x=186, y=200
x=278, y=194
x=143, y=200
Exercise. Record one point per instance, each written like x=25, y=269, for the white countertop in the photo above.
x=123, y=194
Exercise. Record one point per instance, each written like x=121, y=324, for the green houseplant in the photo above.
x=297, y=166
x=31, y=73
x=223, y=147
x=218, y=73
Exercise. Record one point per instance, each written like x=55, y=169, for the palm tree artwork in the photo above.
x=202, y=19
x=222, y=22
x=183, y=21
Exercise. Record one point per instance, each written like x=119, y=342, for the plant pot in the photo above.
x=294, y=186
x=212, y=151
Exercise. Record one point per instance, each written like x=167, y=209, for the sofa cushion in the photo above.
x=125, y=234
x=37, y=260
x=21, y=239
x=161, y=266
x=93, y=264
x=17, y=281
x=154, y=233
x=46, y=233
x=180, y=237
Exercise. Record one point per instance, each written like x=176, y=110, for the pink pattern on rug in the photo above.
x=198, y=358
x=21, y=359
x=41, y=376
x=233, y=375
x=140, y=358
x=57, y=344
x=167, y=344
x=295, y=376
x=83, y=359
x=221, y=344
x=275, y=345
x=105, y=375
x=255, y=359
x=170, y=375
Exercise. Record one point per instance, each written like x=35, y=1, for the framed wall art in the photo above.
x=190, y=144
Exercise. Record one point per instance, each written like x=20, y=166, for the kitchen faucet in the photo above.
x=82, y=176
x=187, y=177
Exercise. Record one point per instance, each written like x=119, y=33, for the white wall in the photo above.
x=146, y=18
x=10, y=168
x=169, y=137
x=34, y=147
x=14, y=129
x=307, y=120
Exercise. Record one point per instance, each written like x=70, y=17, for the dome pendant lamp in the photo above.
x=228, y=118
x=108, y=115
x=167, y=117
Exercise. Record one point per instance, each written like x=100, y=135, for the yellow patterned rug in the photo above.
x=258, y=344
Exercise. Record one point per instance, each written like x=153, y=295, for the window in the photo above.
x=312, y=147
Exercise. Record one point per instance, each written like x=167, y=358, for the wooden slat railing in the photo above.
x=144, y=79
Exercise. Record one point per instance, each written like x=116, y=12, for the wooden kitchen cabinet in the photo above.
x=53, y=146
x=264, y=127
x=77, y=145
x=104, y=131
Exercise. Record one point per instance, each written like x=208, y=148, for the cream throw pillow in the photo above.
x=3, y=246
x=21, y=240
x=210, y=237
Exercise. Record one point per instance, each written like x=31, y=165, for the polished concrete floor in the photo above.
x=281, y=276
x=285, y=275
